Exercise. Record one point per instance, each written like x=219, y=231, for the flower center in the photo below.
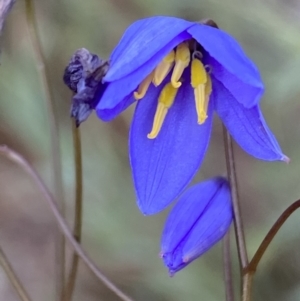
x=177, y=60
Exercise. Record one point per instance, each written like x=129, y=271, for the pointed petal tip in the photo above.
x=247, y=126
x=148, y=210
x=285, y=159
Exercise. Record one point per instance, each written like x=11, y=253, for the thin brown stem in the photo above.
x=227, y=267
x=4, y=262
x=238, y=224
x=269, y=237
x=17, y=158
x=67, y=295
x=247, y=286
x=250, y=270
x=55, y=144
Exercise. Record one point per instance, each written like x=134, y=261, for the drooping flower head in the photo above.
x=180, y=72
x=197, y=222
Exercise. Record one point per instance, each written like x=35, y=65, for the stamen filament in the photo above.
x=143, y=87
x=163, y=68
x=182, y=60
x=165, y=101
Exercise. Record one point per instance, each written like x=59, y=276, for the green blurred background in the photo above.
x=123, y=242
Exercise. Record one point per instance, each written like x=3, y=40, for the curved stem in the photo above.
x=55, y=144
x=250, y=270
x=68, y=291
x=17, y=158
x=13, y=277
x=227, y=267
x=269, y=237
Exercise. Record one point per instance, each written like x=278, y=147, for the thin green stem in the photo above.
x=21, y=161
x=68, y=291
x=227, y=267
x=55, y=143
x=4, y=262
x=238, y=224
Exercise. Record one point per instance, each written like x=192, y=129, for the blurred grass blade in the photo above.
x=17, y=158
x=13, y=277
x=5, y=7
x=54, y=142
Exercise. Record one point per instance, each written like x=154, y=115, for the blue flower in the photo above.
x=180, y=72
x=199, y=220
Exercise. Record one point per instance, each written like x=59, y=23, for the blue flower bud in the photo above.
x=199, y=220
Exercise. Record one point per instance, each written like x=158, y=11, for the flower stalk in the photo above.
x=252, y=266
x=68, y=291
x=238, y=223
x=227, y=267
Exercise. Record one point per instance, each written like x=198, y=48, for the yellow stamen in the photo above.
x=200, y=103
x=182, y=60
x=199, y=79
x=163, y=69
x=208, y=90
x=143, y=87
x=165, y=101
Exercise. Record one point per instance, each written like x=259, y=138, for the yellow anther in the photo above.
x=198, y=73
x=182, y=60
x=165, y=101
x=163, y=68
x=199, y=81
x=143, y=87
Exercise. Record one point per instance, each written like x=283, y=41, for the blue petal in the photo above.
x=141, y=41
x=162, y=167
x=109, y=114
x=244, y=93
x=225, y=50
x=118, y=91
x=201, y=218
x=246, y=126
